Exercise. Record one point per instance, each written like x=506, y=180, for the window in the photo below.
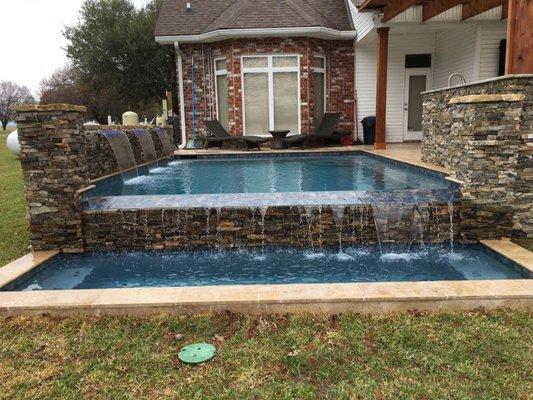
x=319, y=70
x=271, y=93
x=418, y=61
x=221, y=88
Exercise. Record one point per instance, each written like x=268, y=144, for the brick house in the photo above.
x=261, y=65
x=280, y=64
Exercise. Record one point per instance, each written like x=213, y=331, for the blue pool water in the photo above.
x=269, y=266
x=311, y=173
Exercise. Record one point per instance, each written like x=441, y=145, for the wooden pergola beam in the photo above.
x=436, y=7
x=505, y=8
x=396, y=7
x=475, y=7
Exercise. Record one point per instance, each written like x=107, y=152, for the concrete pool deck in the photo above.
x=382, y=297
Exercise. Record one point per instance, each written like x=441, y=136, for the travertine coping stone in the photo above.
x=48, y=107
x=487, y=98
x=380, y=297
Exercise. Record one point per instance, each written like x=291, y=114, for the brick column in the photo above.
x=54, y=168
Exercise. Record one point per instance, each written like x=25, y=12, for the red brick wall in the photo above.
x=339, y=78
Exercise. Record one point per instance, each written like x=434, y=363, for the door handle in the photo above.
x=405, y=107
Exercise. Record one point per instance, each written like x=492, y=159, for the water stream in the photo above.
x=168, y=149
x=121, y=147
x=147, y=145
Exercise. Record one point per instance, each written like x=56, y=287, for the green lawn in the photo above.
x=474, y=355
x=14, y=237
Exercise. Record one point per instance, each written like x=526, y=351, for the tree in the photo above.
x=66, y=86
x=112, y=47
x=12, y=94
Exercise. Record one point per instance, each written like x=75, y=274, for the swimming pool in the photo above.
x=272, y=174
x=267, y=266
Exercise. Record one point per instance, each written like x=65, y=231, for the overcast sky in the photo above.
x=30, y=39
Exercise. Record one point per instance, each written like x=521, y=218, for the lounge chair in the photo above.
x=325, y=131
x=219, y=136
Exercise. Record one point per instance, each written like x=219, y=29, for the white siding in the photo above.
x=455, y=51
x=363, y=22
x=490, y=36
x=399, y=46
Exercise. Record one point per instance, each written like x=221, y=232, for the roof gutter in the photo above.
x=222, y=34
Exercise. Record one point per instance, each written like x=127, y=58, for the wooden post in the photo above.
x=381, y=87
x=519, y=58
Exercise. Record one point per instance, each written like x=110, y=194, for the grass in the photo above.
x=14, y=237
x=475, y=355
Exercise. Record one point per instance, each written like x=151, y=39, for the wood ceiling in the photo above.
x=430, y=8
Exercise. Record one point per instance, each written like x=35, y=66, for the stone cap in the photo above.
x=48, y=107
x=498, y=78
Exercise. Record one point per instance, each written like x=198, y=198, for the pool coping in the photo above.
x=378, y=297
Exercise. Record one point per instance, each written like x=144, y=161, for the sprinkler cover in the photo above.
x=197, y=353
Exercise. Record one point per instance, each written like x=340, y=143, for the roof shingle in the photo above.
x=211, y=15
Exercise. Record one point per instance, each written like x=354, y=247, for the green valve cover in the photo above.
x=197, y=353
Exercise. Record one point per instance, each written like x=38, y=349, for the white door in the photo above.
x=416, y=82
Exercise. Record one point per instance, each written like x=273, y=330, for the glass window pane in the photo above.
x=319, y=98
x=319, y=62
x=291, y=61
x=417, y=84
x=222, y=100
x=220, y=65
x=286, y=101
x=256, y=103
x=255, y=62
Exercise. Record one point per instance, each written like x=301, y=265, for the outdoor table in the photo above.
x=278, y=136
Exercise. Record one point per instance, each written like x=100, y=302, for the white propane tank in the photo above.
x=160, y=120
x=130, y=118
x=12, y=143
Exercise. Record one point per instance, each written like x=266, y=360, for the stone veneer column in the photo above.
x=54, y=168
x=482, y=133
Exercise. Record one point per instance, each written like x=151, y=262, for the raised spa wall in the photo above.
x=275, y=226
x=60, y=159
x=483, y=133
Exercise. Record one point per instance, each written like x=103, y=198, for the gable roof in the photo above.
x=206, y=16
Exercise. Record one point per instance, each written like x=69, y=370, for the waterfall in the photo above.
x=147, y=145
x=121, y=147
x=338, y=217
x=452, y=234
x=309, y=214
x=394, y=221
x=168, y=149
x=208, y=216
x=263, y=210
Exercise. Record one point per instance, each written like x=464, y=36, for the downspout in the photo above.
x=181, y=96
x=355, y=105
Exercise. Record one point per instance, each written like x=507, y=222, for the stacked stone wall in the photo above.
x=483, y=133
x=241, y=227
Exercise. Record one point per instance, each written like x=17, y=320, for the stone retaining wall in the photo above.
x=242, y=227
x=484, y=134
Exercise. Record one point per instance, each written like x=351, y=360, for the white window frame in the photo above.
x=323, y=71
x=270, y=70
x=219, y=73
